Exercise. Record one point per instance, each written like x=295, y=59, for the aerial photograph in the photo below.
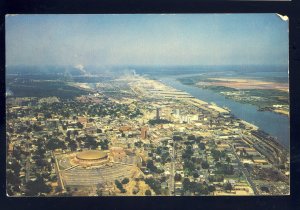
x=147, y=105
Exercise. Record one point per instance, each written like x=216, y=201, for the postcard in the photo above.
x=147, y=105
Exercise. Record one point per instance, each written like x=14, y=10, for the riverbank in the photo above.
x=277, y=125
x=265, y=100
x=266, y=96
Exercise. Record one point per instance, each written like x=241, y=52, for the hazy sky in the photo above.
x=194, y=39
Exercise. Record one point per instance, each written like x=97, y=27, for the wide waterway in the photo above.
x=275, y=124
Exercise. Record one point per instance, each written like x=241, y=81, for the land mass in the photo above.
x=133, y=136
x=266, y=95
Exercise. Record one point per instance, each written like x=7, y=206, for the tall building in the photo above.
x=144, y=133
x=177, y=112
x=157, y=113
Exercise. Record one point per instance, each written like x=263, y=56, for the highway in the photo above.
x=172, y=172
x=27, y=169
x=245, y=172
x=27, y=165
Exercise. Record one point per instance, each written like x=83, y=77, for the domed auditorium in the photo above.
x=91, y=167
x=91, y=157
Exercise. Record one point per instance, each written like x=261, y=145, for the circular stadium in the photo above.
x=91, y=157
x=91, y=167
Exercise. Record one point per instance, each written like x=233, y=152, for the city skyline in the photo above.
x=147, y=105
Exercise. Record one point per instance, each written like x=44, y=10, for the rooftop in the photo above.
x=91, y=155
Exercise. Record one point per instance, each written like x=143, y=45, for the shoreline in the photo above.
x=272, y=140
x=275, y=138
x=259, y=108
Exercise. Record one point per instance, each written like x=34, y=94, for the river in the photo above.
x=275, y=124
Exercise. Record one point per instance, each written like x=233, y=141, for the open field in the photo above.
x=80, y=85
x=266, y=95
x=238, y=83
x=42, y=88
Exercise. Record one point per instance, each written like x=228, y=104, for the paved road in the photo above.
x=172, y=172
x=27, y=165
x=27, y=169
x=245, y=172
